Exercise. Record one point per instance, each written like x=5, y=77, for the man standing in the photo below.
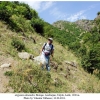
x=47, y=50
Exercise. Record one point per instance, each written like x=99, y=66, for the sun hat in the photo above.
x=50, y=39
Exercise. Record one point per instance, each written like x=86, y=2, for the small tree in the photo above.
x=98, y=13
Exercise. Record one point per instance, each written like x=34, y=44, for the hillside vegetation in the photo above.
x=86, y=43
x=23, y=30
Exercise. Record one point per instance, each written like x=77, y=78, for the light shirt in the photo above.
x=47, y=48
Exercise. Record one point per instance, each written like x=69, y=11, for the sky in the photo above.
x=52, y=11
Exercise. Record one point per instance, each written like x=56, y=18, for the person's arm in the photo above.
x=52, y=52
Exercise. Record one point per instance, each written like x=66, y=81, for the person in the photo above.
x=47, y=50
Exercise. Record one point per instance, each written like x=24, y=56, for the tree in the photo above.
x=4, y=13
x=98, y=13
x=38, y=24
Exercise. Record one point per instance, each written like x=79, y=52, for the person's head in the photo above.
x=50, y=40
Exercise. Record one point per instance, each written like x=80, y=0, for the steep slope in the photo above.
x=22, y=30
x=86, y=42
x=65, y=79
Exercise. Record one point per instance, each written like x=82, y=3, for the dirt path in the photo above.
x=4, y=80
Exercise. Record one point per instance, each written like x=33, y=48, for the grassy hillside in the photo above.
x=28, y=77
x=23, y=30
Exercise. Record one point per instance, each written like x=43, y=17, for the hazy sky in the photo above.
x=51, y=11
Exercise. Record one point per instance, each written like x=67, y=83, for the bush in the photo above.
x=30, y=13
x=4, y=13
x=20, y=24
x=91, y=61
x=8, y=73
x=74, y=46
x=18, y=44
x=37, y=24
x=82, y=51
x=86, y=64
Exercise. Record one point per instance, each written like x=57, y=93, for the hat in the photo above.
x=50, y=39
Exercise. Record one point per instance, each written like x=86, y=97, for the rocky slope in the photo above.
x=86, y=25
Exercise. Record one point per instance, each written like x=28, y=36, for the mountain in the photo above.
x=86, y=25
x=85, y=42
x=22, y=30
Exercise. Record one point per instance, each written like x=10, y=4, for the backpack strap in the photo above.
x=52, y=48
x=44, y=45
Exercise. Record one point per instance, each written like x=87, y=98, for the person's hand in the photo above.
x=52, y=56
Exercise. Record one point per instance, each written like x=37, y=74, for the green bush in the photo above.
x=37, y=24
x=17, y=15
x=18, y=44
x=82, y=51
x=30, y=13
x=4, y=12
x=9, y=73
x=91, y=61
x=20, y=24
x=86, y=64
x=74, y=46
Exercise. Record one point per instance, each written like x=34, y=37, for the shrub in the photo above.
x=4, y=13
x=74, y=46
x=18, y=44
x=8, y=73
x=82, y=51
x=91, y=61
x=30, y=13
x=38, y=24
x=20, y=24
x=85, y=62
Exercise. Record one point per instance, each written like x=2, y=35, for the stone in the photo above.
x=25, y=55
x=71, y=63
x=6, y=65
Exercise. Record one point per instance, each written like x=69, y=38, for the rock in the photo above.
x=74, y=64
x=25, y=55
x=6, y=65
x=71, y=63
x=84, y=24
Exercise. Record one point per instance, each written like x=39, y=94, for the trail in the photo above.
x=4, y=80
